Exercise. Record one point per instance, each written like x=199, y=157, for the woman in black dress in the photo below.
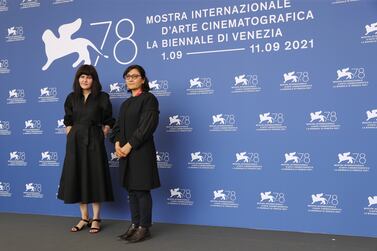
x=88, y=119
x=134, y=144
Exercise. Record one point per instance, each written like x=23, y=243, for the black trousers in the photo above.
x=140, y=202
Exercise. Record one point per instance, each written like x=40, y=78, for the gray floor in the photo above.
x=40, y=233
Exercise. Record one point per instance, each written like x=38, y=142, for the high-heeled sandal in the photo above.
x=77, y=229
x=94, y=230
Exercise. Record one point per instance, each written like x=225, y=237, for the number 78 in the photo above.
x=122, y=39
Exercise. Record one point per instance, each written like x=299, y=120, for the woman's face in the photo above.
x=86, y=82
x=134, y=80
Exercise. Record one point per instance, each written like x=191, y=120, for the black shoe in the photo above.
x=130, y=231
x=94, y=230
x=141, y=234
x=77, y=228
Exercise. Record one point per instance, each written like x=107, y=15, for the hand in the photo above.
x=106, y=130
x=68, y=129
x=118, y=150
x=126, y=149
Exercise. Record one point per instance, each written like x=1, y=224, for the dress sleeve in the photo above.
x=115, y=133
x=68, y=108
x=147, y=124
x=107, y=111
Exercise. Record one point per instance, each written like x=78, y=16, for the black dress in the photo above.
x=138, y=119
x=85, y=176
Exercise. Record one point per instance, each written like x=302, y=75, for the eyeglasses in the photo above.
x=131, y=77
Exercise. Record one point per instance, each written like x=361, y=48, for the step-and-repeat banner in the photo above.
x=268, y=109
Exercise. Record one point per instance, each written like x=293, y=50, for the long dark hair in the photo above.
x=140, y=69
x=89, y=70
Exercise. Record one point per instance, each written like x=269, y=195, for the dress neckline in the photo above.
x=138, y=93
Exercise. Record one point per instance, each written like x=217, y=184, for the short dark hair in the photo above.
x=89, y=70
x=140, y=69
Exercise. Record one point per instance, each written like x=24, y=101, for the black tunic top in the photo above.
x=85, y=175
x=138, y=119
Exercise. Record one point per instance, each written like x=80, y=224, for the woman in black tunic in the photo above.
x=134, y=144
x=88, y=119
